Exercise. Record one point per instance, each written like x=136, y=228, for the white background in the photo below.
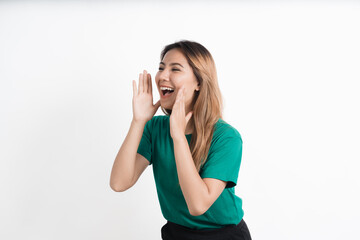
x=289, y=74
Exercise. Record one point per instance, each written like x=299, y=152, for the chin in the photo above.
x=166, y=105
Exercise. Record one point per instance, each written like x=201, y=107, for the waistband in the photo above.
x=180, y=228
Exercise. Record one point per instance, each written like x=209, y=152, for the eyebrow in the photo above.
x=172, y=64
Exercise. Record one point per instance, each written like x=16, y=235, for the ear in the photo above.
x=198, y=87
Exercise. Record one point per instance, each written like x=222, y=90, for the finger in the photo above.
x=178, y=95
x=157, y=105
x=183, y=100
x=141, y=85
x=178, y=100
x=150, y=83
x=134, y=88
x=145, y=79
x=183, y=94
x=188, y=116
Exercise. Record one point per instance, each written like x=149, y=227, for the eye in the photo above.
x=174, y=69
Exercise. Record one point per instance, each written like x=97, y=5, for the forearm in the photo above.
x=194, y=189
x=124, y=164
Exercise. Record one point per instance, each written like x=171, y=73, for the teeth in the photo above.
x=166, y=88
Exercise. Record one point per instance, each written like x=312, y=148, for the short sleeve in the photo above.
x=224, y=160
x=144, y=148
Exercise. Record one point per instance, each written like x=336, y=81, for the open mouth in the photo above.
x=166, y=91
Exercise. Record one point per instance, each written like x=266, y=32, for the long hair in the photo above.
x=207, y=101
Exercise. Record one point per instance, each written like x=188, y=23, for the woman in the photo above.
x=195, y=154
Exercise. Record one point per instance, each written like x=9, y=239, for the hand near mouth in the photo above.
x=178, y=120
x=143, y=107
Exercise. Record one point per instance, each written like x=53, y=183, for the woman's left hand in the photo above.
x=178, y=120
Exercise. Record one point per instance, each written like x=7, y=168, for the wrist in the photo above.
x=138, y=122
x=179, y=138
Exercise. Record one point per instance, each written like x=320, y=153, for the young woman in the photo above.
x=195, y=154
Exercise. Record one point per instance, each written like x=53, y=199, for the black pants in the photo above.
x=173, y=231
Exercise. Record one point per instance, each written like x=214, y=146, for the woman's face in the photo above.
x=175, y=72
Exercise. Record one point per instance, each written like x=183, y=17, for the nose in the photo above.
x=163, y=75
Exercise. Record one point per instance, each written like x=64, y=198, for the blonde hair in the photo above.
x=207, y=101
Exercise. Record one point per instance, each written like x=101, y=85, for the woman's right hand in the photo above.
x=143, y=108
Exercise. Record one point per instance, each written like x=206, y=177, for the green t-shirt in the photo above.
x=223, y=163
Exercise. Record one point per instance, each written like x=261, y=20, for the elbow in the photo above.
x=198, y=208
x=195, y=214
x=120, y=185
x=118, y=188
x=198, y=211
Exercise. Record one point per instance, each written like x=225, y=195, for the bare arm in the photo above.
x=199, y=193
x=128, y=164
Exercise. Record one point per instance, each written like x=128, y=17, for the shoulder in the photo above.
x=223, y=130
x=226, y=145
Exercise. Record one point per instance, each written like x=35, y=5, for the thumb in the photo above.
x=157, y=105
x=188, y=116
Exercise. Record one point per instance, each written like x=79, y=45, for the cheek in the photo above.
x=189, y=97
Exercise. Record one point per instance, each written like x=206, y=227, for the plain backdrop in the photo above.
x=289, y=75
